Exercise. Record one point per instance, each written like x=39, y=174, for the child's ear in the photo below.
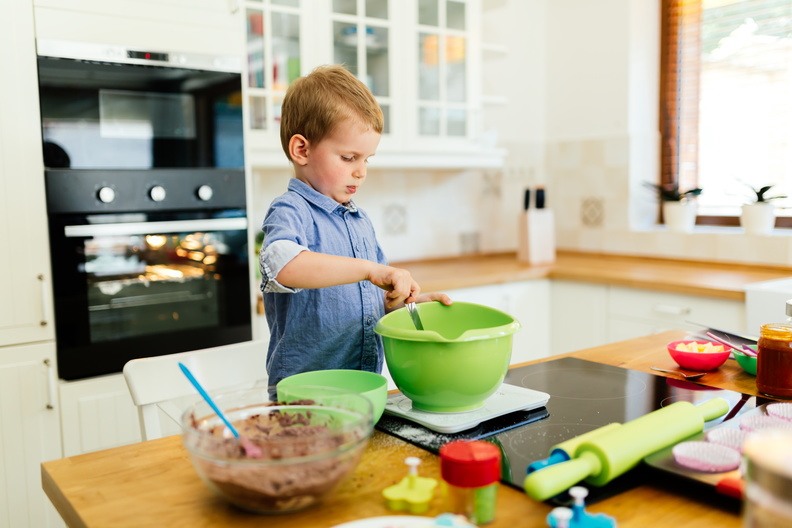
x=298, y=149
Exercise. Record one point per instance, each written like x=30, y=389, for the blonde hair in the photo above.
x=318, y=102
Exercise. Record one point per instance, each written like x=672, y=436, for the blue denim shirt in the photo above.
x=323, y=328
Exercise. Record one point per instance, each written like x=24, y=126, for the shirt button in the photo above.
x=357, y=247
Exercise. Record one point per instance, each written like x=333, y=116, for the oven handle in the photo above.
x=148, y=228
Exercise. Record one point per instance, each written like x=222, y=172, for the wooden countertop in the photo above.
x=720, y=280
x=153, y=483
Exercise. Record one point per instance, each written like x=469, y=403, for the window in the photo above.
x=726, y=102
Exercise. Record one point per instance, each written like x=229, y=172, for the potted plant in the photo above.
x=679, y=207
x=758, y=216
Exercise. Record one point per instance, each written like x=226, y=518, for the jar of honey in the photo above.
x=774, y=361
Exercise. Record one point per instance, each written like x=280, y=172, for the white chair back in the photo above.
x=154, y=382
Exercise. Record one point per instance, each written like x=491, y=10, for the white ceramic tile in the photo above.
x=592, y=154
x=616, y=213
x=564, y=155
x=616, y=152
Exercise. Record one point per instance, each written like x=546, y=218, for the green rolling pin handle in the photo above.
x=714, y=408
x=566, y=450
x=552, y=480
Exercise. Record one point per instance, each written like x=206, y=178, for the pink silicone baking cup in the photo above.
x=728, y=436
x=780, y=410
x=757, y=422
x=706, y=456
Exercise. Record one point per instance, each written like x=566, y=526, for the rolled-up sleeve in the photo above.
x=272, y=260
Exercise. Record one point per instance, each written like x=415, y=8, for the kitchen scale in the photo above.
x=505, y=400
x=583, y=396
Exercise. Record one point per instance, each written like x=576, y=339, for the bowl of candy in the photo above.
x=698, y=355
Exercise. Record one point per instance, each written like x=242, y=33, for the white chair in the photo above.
x=154, y=382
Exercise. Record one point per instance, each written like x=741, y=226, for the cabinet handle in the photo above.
x=44, y=299
x=50, y=384
x=671, y=309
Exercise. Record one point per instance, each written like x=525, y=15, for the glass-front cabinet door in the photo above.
x=275, y=30
x=420, y=58
x=443, y=108
x=361, y=32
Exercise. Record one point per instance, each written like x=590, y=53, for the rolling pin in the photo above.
x=566, y=449
x=603, y=457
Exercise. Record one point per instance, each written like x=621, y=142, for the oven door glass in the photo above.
x=135, y=285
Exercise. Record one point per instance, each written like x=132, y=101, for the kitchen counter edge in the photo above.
x=712, y=279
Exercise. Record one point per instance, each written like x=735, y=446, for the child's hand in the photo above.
x=434, y=296
x=399, y=284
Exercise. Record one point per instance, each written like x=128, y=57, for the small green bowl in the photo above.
x=747, y=362
x=370, y=384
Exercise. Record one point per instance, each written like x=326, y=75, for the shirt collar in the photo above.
x=318, y=199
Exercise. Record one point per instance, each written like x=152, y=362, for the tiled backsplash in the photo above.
x=595, y=187
x=426, y=214
x=608, y=209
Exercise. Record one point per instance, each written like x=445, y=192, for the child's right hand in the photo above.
x=399, y=284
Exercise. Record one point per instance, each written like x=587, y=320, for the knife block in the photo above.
x=536, y=243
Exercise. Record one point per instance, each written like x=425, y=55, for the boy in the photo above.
x=323, y=271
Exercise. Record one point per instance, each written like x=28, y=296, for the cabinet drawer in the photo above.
x=675, y=309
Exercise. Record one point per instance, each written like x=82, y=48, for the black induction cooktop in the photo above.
x=583, y=396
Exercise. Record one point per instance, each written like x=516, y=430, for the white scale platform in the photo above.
x=507, y=399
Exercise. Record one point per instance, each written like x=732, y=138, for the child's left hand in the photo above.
x=435, y=296
x=426, y=297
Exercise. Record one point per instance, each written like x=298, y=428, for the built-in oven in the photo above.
x=146, y=200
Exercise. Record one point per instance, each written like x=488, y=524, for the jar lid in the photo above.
x=470, y=464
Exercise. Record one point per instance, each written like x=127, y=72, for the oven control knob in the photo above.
x=204, y=192
x=157, y=193
x=106, y=194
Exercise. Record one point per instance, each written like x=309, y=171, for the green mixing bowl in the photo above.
x=370, y=384
x=457, y=362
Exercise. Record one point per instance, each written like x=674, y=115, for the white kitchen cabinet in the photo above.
x=526, y=301
x=194, y=26
x=421, y=59
x=578, y=315
x=26, y=311
x=602, y=314
x=29, y=434
x=97, y=413
x=634, y=312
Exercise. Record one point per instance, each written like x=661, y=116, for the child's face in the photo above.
x=336, y=166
